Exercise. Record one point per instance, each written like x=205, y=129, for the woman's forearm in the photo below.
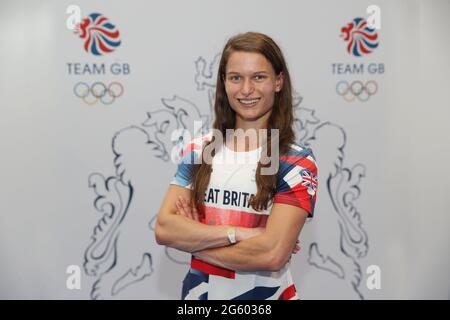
x=188, y=235
x=183, y=231
x=255, y=254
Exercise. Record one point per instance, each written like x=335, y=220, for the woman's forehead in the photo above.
x=248, y=62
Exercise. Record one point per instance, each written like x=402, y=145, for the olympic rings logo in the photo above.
x=98, y=91
x=356, y=90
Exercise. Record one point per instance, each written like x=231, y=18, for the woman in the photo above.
x=241, y=224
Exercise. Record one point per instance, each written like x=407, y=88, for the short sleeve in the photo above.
x=297, y=180
x=190, y=157
x=183, y=175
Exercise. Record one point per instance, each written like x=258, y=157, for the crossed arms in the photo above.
x=267, y=249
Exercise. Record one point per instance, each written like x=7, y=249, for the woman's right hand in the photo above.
x=296, y=247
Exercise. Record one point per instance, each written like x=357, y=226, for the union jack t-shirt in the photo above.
x=227, y=198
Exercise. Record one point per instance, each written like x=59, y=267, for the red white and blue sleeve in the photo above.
x=297, y=179
x=190, y=157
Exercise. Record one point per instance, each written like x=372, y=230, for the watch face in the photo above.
x=232, y=235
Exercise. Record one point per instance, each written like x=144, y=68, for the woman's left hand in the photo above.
x=186, y=209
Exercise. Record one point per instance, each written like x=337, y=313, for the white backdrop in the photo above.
x=83, y=181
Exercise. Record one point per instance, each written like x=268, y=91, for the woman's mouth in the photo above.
x=248, y=102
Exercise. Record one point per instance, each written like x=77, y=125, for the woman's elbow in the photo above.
x=276, y=261
x=274, y=266
x=160, y=234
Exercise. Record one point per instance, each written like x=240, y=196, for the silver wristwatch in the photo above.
x=231, y=233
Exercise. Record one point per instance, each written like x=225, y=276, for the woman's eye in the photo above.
x=238, y=78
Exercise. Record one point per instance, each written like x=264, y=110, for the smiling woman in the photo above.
x=240, y=223
x=249, y=92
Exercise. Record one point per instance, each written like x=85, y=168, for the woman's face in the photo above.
x=251, y=83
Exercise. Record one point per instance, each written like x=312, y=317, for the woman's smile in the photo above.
x=248, y=103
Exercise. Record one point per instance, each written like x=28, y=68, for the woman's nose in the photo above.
x=247, y=87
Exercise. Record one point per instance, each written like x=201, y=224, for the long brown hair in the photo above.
x=281, y=117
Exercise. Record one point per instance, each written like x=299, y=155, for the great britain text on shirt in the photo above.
x=228, y=197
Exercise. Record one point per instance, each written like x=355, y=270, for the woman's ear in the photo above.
x=279, y=82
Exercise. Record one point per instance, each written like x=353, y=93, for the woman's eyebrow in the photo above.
x=257, y=72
